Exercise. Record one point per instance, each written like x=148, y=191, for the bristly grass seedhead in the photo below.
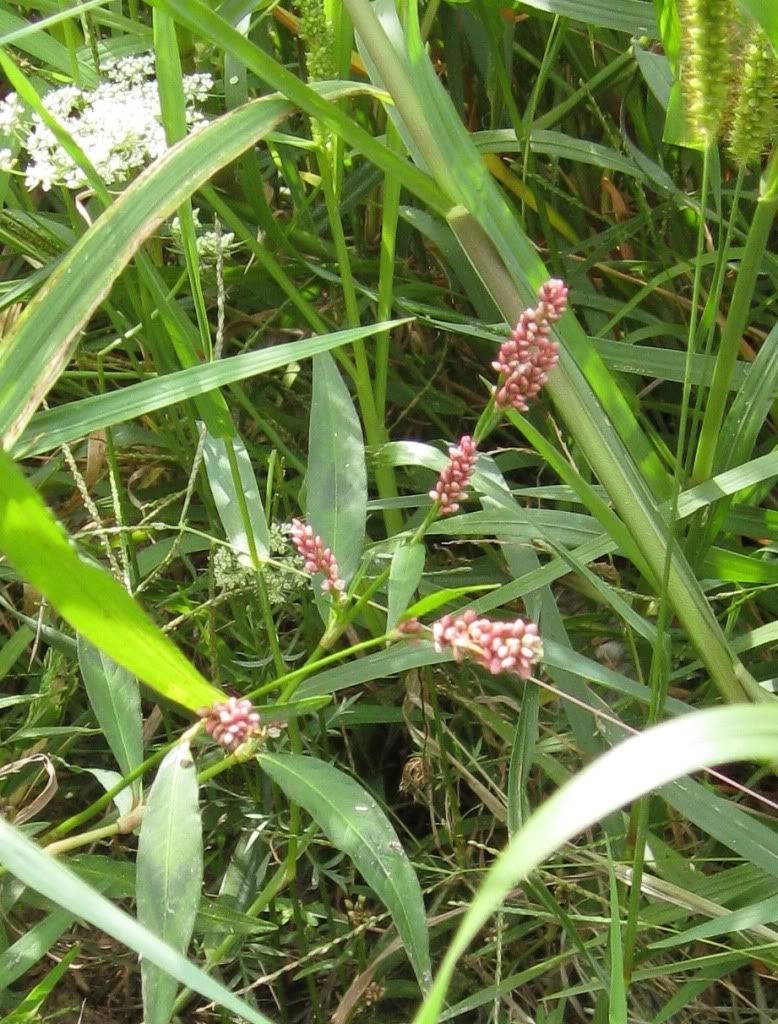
x=755, y=114
x=706, y=63
x=316, y=33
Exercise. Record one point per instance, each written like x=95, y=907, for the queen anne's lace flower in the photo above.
x=526, y=357
x=317, y=557
x=230, y=722
x=498, y=646
x=451, y=487
x=118, y=124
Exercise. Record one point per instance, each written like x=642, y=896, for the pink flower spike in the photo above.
x=525, y=359
x=318, y=558
x=451, y=487
x=499, y=646
x=230, y=722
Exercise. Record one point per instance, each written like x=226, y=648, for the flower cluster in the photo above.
x=118, y=124
x=230, y=722
x=526, y=357
x=498, y=646
x=317, y=557
x=451, y=487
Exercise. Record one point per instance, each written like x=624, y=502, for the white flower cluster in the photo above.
x=281, y=583
x=208, y=242
x=118, y=125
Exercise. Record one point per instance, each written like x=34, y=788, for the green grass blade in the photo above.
x=94, y=604
x=356, y=825
x=69, y=422
x=169, y=872
x=628, y=771
x=52, y=879
x=48, y=330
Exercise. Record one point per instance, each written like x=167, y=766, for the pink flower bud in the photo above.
x=499, y=646
x=230, y=722
x=451, y=487
x=525, y=359
x=317, y=558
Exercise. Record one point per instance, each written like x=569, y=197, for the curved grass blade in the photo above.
x=52, y=879
x=46, y=333
x=114, y=695
x=169, y=874
x=640, y=764
x=336, y=487
x=355, y=824
x=88, y=598
x=69, y=422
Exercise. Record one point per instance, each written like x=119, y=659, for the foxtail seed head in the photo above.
x=706, y=66
x=755, y=115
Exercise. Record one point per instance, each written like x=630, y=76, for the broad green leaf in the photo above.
x=91, y=600
x=336, y=484
x=49, y=877
x=404, y=575
x=73, y=420
x=355, y=824
x=227, y=501
x=635, y=767
x=169, y=874
x=48, y=330
x=114, y=695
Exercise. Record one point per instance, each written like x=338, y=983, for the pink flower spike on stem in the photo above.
x=317, y=558
x=499, y=646
x=230, y=722
x=451, y=487
x=525, y=359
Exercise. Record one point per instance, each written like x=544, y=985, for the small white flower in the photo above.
x=118, y=124
x=6, y=160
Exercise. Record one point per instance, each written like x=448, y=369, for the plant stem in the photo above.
x=737, y=318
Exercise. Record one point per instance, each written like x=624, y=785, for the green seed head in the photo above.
x=708, y=27
x=755, y=115
x=316, y=33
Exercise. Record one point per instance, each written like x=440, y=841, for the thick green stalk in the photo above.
x=568, y=388
x=737, y=320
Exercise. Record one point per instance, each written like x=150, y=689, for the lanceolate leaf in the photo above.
x=404, y=575
x=336, y=502
x=355, y=824
x=169, y=872
x=91, y=600
x=220, y=477
x=115, y=698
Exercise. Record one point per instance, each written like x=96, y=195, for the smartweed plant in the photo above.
x=388, y=534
